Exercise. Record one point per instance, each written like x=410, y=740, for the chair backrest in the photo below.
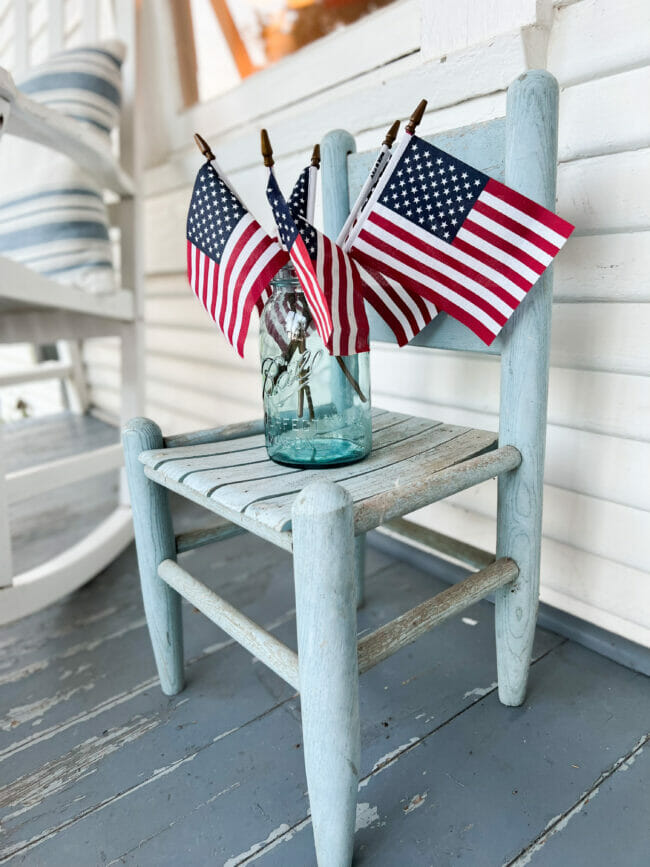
x=521, y=151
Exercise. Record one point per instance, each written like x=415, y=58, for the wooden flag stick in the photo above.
x=311, y=186
x=207, y=152
x=416, y=117
x=371, y=180
x=380, y=185
x=267, y=154
x=346, y=373
x=267, y=150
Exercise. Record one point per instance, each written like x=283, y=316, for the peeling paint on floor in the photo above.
x=257, y=847
x=559, y=823
x=366, y=816
x=415, y=802
x=480, y=691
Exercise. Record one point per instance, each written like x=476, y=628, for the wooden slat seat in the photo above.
x=237, y=480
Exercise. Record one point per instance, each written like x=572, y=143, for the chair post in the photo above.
x=531, y=166
x=335, y=148
x=323, y=550
x=154, y=538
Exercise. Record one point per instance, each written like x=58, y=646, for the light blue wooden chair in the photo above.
x=322, y=515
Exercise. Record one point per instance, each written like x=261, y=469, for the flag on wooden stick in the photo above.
x=302, y=200
x=230, y=259
x=463, y=241
x=335, y=271
x=292, y=239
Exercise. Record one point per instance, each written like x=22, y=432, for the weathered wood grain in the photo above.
x=246, y=632
x=282, y=540
x=155, y=542
x=379, y=472
x=531, y=158
x=218, y=434
x=327, y=651
x=191, y=539
x=156, y=459
x=408, y=627
x=435, y=478
x=391, y=445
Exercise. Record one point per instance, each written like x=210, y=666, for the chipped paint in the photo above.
x=102, y=707
x=469, y=621
x=32, y=789
x=37, y=709
x=19, y=673
x=366, y=815
x=387, y=760
x=284, y=838
x=256, y=847
x=480, y=691
x=26, y=845
x=415, y=802
x=82, y=647
x=120, y=698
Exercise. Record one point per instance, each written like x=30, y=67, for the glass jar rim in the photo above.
x=286, y=277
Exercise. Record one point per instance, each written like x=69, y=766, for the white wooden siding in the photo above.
x=597, y=508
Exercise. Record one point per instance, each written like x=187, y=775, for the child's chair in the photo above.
x=321, y=515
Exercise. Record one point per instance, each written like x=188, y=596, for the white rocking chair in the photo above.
x=35, y=309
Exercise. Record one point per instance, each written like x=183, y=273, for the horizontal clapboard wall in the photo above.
x=595, y=560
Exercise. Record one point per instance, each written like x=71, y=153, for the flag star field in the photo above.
x=433, y=190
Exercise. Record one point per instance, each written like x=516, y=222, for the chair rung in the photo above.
x=266, y=647
x=408, y=531
x=206, y=536
x=388, y=639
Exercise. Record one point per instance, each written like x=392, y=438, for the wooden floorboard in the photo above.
x=97, y=767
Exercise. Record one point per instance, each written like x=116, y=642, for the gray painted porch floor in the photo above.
x=97, y=767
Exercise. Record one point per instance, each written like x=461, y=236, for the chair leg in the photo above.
x=154, y=538
x=360, y=568
x=519, y=534
x=324, y=566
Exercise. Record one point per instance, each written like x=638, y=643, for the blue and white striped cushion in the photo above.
x=52, y=215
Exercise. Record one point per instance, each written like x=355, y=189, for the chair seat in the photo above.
x=237, y=480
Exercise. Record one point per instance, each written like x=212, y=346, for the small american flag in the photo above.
x=406, y=313
x=336, y=274
x=230, y=259
x=466, y=243
x=341, y=282
x=300, y=256
x=299, y=195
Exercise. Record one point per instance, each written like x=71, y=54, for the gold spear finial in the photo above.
x=416, y=117
x=203, y=146
x=267, y=150
x=391, y=135
x=315, y=156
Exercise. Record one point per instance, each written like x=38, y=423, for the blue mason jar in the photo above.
x=316, y=406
